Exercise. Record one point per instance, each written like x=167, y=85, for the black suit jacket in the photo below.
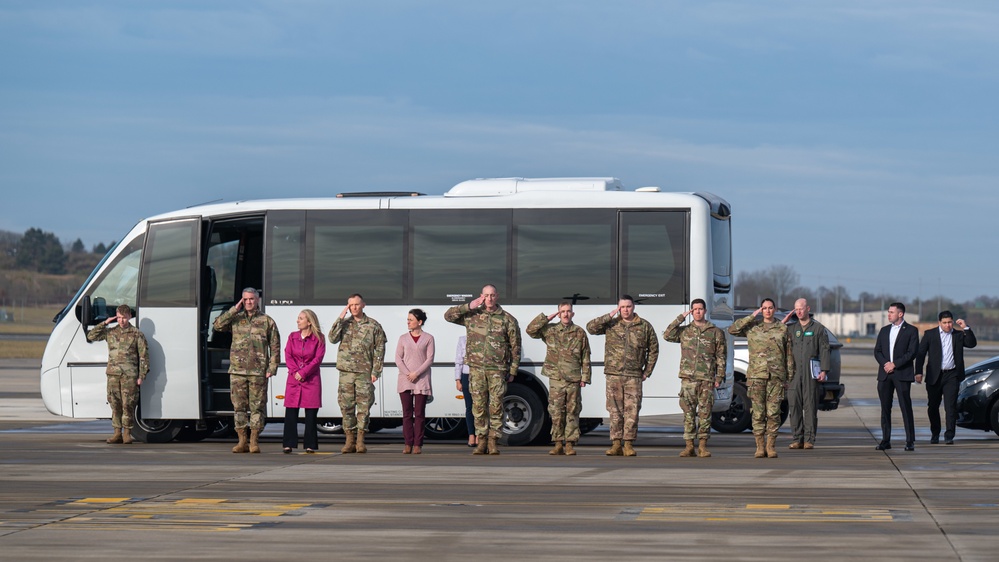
x=931, y=344
x=906, y=347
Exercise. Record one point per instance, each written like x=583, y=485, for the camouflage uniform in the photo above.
x=771, y=367
x=702, y=365
x=809, y=342
x=128, y=362
x=567, y=364
x=492, y=353
x=254, y=355
x=361, y=355
x=631, y=350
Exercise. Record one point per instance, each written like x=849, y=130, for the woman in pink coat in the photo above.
x=414, y=355
x=304, y=388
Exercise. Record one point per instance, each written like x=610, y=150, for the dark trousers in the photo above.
x=886, y=389
x=946, y=389
x=414, y=417
x=290, y=439
x=466, y=391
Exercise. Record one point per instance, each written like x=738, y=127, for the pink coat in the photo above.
x=304, y=356
x=414, y=357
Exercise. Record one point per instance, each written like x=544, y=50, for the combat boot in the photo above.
x=629, y=451
x=760, y=453
x=689, y=451
x=493, y=450
x=557, y=450
x=772, y=446
x=569, y=448
x=254, y=437
x=116, y=438
x=702, y=449
x=359, y=446
x=480, y=448
x=126, y=436
x=242, y=446
x=348, y=446
x=615, y=450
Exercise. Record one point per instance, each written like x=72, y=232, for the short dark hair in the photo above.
x=356, y=295
x=700, y=302
x=768, y=299
x=627, y=298
x=899, y=306
x=945, y=314
x=124, y=309
x=419, y=315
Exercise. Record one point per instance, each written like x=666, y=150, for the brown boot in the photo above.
x=116, y=438
x=349, y=445
x=569, y=448
x=689, y=451
x=126, y=436
x=242, y=446
x=629, y=451
x=480, y=447
x=406, y=450
x=615, y=450
x=417, y=450
x=491, y=447
x=359, y=446
x=254, y=444
x=702, y=448
x=760, y=453
x=772, y=446
x=557, y=450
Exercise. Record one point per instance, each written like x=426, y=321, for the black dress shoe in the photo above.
x=934, y=439
x=910, y=446
x=883, y=446
x=949, y=441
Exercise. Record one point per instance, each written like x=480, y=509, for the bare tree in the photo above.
x=783, y=279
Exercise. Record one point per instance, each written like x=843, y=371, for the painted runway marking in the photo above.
x=759, y=513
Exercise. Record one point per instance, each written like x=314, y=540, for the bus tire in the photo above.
x=587, y=425
x=329, y=427
x=155, y=431
x=523, y=414
x=445, y=428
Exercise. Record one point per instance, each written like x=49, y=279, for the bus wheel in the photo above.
x=329, y=427
x=523, y=414
x=587, y=425
x=445, y=428
x=155, y=431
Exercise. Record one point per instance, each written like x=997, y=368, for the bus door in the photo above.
x=168, y=316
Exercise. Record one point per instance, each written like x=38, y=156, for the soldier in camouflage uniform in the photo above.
x=809, y=340
x=492, y=353
x=702, y=369
x=771, y=369
x=631, y=349
x=567, y=366
x=128, y=365
x=359, y=359
x=253, y=359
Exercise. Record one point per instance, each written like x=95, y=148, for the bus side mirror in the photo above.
x=86, y=313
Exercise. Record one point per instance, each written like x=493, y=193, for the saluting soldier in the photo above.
x=253, y=359
x=128, y=365
x=702, y=370
x=567, y=366
x=360, y=359
x=631, y=349
x=492, y=353
x=771, y=370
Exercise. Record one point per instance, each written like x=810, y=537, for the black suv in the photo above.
x=978, y=397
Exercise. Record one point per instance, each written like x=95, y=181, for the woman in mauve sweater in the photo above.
x=414, y=355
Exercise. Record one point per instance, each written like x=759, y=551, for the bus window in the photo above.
x=653, y=256
x=564, y=253
x=170, y=271
x=285, y=251
x=119, y=283
x=357, y=252
x=445, y=243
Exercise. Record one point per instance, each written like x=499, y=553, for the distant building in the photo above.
x=859, y=324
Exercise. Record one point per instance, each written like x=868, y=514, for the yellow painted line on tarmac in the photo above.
x=756, y=513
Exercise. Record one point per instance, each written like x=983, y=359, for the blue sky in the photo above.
x=856, y=140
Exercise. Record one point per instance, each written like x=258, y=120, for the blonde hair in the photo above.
x=313, y=322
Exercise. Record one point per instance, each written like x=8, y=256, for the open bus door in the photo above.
x=168, y=316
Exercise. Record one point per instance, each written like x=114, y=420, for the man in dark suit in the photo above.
x=944, y=370
x=895, y=352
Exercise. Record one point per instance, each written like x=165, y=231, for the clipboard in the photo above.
x=816, y=368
